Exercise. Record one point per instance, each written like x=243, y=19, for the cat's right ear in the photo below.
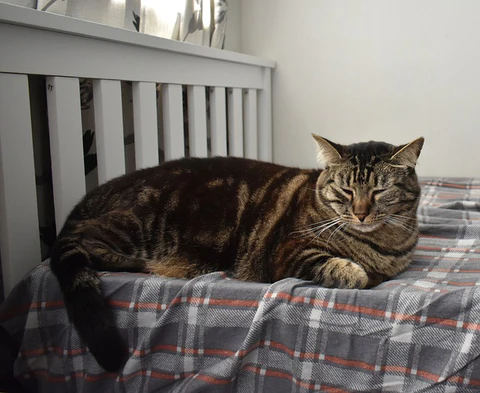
x=407, y=155
x=328, y=152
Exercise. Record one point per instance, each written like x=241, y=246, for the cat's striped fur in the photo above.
x=352, y=225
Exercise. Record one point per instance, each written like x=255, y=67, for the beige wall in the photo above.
x=355, y=70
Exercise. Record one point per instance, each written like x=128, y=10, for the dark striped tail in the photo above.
x=86, y=307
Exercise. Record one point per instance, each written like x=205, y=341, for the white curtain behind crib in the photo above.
x=200, y=22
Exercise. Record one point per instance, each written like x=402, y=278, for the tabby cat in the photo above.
x=351, y=225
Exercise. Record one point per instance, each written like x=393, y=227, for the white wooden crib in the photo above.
x=65, y=49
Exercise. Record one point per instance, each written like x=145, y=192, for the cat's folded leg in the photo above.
x=328, y=271
x=175, y=266
x=341, y=273
x=114, y=242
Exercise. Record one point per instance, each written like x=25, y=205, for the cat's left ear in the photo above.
x=407, y=155
x=328, y=152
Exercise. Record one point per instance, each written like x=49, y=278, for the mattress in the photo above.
x=418, y=332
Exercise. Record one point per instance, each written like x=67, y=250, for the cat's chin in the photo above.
x=365, y=228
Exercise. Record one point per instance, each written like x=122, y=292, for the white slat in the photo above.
x=65, y=123
x=145, y=124
x=107, y=98
x=19, y=233
x=265, y=117
x=173, y=121
x=235, y=122
x=250, y=123
x=197, y=121
x=218, y=121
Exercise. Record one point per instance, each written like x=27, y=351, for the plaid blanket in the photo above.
x=419, y=332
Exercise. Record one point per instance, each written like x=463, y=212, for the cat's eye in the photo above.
x=377, y=192
x=348, y=191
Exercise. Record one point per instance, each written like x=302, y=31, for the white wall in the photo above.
x=356, y=70
x=232, y=35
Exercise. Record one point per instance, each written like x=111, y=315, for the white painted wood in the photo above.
x=265, y=139
x=218, y=121
x=197, y=121
x=51, y=22
x=19, y=232
x=145, y=124
x=107, y=98
x=174, y=140
x=235, y=123
x=66, y=148
x=102, y=55
x=250, y=123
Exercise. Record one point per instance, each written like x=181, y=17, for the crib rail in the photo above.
x=237, y=116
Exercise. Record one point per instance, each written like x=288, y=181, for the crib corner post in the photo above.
x=19, y=234
x=265, y=140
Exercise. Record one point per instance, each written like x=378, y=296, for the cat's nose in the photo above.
x=361, y=209
x=361, y=216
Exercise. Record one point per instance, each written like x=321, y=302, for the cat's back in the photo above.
x=235, y=168
x=213, y=177
x=212, y=172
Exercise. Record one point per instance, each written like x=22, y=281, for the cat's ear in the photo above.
x=328, y=152
x=407, y=155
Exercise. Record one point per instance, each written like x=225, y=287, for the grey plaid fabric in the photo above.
x=419, y=332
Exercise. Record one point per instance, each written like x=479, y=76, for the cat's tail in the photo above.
x=85, y=304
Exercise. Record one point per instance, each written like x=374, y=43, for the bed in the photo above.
x=419, y=332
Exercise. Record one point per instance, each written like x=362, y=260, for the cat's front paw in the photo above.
x=342, y=273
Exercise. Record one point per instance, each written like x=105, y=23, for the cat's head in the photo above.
x=369, y=184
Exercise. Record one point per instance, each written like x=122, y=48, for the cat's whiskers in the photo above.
x=319, y=222
x=394, y=219
x=307, y=232
x=316, y=227
x=324, y=229
x=379, y=217
x=396, y=222
x=401, y=217
x=317, y=232
x=347, y=219
x=396, y=227
x=337, y=230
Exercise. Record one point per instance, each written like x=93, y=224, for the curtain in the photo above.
x=201, y=22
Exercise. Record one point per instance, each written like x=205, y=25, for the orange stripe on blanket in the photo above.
x=183, y=350
x=450, y=185
x=189, y=300
x=31, y=306
x=448, y=249
x=350, y=363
